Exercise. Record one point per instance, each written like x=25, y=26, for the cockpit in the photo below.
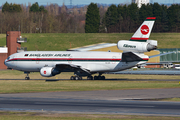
x=8, y=58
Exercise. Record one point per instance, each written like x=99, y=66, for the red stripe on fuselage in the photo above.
x=86, y=59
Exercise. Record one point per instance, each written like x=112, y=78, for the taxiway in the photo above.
x=129, y=102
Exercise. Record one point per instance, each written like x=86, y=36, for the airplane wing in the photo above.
x=160, y=54
x=130, y=57
x=72, y=68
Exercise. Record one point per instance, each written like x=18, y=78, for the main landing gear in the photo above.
x=99, y=77
x=96, y=77
x=27, y=75
x=88, y=78
x=76, y=78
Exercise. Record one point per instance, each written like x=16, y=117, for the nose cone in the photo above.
x=5, y=62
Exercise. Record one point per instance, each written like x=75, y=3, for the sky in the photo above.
x=78, y=2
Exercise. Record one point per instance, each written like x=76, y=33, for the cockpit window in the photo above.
x=8, y=58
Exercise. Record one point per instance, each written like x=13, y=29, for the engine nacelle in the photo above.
x=133, y=46
x=49, y=71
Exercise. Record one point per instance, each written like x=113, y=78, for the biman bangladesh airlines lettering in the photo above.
x=48, y=55
x=51, y=63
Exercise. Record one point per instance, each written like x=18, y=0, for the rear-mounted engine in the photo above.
x=139, y=47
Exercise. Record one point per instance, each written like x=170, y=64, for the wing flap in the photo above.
x=71, y=67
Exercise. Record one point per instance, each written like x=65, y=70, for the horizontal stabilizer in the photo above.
x=130, y=57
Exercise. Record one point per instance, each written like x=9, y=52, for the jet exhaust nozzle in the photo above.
x=151, y=47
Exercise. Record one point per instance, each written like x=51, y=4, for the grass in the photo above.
x=168, y=99
x=2, y=40
x=56, y=116
x=64, y=41
x=115, y=82
x=18, y=86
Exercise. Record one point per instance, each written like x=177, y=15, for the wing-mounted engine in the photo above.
x=49, y=71
x=135, y=46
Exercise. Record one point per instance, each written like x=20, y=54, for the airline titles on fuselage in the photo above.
x=129, y=46
x=47, y=55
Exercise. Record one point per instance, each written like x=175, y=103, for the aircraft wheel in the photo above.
x=72, y=78
x=89, y=78
x=95, y=77
x=76, y=78
x=99, y=77
x=80, y=78
x=103, y=78
x=27, y=78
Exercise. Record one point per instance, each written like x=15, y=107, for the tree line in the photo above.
x=128, y=18
x=89, y=19
x=38, y=19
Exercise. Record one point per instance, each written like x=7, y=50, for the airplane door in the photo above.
x=70, y=60
x=37, y=59
x=13, y=58
x=113, y=60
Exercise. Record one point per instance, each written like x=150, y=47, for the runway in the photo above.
x=93, y=106
x=147, y=71
x=126, y=102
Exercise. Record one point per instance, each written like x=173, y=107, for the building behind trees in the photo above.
x=140, y=2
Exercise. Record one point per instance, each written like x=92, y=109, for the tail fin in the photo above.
x=143, y=32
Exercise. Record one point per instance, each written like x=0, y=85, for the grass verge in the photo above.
x=10, y=83
x=19, y=86
x=168, y=99
x=56, y=116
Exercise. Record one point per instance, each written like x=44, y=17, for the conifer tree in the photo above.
x=5, y=7
x=111, y=16
x=11, y=7
x=34, y=8
x=92, y=19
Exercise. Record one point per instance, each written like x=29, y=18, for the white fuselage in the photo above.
x=33, y=61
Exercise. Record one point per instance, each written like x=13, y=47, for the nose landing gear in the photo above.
x=27, y=75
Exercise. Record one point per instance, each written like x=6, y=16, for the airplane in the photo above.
x=51, y=63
